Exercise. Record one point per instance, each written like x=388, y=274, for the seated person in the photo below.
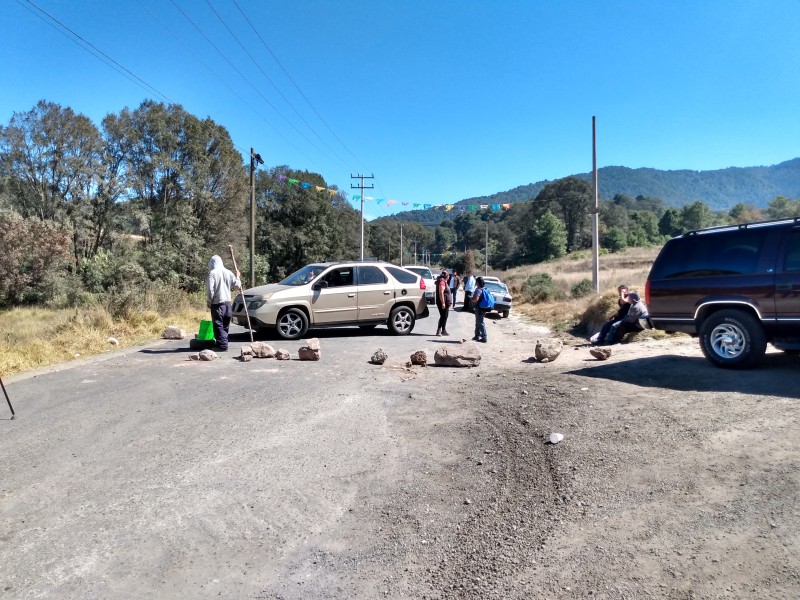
x=624, y=306
x=630, y=322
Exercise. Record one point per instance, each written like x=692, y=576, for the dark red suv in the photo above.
x=735, y=287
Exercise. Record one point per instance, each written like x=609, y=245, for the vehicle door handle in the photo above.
x=351, y=295
x=387, y=293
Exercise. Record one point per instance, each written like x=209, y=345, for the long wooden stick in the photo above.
x=7, y=399
x=241, y=291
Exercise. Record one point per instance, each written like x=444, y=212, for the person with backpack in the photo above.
x=482, y=302
x=444, y=300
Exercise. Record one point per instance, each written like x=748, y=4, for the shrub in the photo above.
x=539, y=287
x=583, y=288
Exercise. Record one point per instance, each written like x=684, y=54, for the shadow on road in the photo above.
x=774, y=376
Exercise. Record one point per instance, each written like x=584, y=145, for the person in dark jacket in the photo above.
x=630, y=322
x=443, y=301
x=622, y=309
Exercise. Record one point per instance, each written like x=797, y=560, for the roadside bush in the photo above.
x=540, y=287
x=581, y=289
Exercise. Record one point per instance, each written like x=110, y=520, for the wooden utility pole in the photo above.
x=254, y=159
x=401, y=244
x=362, y=187
x=595, y=215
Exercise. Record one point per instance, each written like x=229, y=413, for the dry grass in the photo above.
x=630, y=267
x=37, y=337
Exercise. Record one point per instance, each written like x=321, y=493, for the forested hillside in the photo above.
x=719, y=190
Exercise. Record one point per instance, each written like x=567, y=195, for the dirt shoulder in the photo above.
x=148, y=475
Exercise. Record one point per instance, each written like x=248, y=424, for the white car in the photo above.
x=427, y=277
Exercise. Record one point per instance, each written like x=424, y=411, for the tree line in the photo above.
x=141, y=201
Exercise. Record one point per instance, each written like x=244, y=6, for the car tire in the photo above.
x=292, y=324
x=401, y=320
x=505, y=314
x=732, y=339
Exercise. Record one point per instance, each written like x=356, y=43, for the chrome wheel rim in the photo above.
x=291, y=325
x=402, y=321
x=727, y=341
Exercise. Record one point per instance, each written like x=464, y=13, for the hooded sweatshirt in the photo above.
x=220, y=282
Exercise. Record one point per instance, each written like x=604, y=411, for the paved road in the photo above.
x=141, y=473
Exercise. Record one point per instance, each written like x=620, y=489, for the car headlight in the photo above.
x=258, y=302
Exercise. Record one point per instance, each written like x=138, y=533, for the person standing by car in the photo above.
x=480, y=313
x=219, y=284
x=443, y=302
x=469, y=289
x=454, y=282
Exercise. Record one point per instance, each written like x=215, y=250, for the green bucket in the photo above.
x=206, y=332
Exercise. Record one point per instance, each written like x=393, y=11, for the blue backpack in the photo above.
x=487, y=299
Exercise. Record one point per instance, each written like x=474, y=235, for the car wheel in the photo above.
x=505, y=314
x=401, y=320
x=292, y=324
x=732, y=339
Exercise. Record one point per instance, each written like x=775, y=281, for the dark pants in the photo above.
x=454, y=296
x=467, y=301
x=443, y=313
x=221, y=318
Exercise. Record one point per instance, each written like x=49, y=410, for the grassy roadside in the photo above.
x=31, y=338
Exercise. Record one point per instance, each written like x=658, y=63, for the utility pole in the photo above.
x=254, y=159
x=415, y=252
x=401, y=244
x=486, y=260
x=362, y=187
x=595, y=215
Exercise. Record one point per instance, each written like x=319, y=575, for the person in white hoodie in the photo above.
x=219, y=284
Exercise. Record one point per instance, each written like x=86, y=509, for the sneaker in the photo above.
x=483, y=341
x=445, y=333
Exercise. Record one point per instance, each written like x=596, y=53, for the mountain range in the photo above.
x=720, y=189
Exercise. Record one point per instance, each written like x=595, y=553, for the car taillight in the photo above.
x=421, y=283
x=647, y=292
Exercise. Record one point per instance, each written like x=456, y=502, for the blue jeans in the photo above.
x=480, y=325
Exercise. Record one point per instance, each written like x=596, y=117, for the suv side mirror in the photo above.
x=319, y=285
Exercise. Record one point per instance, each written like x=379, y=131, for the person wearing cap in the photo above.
x=630, y=322
x=622, y=309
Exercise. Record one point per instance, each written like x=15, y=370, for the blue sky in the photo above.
x=440, y=100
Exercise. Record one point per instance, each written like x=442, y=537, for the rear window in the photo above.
x=424, y=272
x=706, y=255
x=370, y=276
x=402, y=275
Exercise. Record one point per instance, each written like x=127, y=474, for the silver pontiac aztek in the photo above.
x=335, y=294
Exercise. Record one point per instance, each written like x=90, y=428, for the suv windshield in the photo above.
x=425, y=272
x=304, y=275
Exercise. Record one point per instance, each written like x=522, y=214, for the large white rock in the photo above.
x=458, y=355
x=172, y=332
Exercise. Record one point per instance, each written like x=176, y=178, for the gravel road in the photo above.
x=142, y=474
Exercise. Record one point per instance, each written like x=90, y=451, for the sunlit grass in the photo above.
x=36, y=337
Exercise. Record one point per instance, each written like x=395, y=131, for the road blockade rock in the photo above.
x=282, y=354
x=208, y=355
x=548, y=350
x=262, y=350
x=247, y=354
x=600, y=353
x=171, y=332
x=420, y=357
x=460, y=355
x=310, y=351
x=379, y=357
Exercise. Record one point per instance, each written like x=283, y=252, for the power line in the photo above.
x=289, y=77
x=274, y=85
x=96, y=52
x=235, y=68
